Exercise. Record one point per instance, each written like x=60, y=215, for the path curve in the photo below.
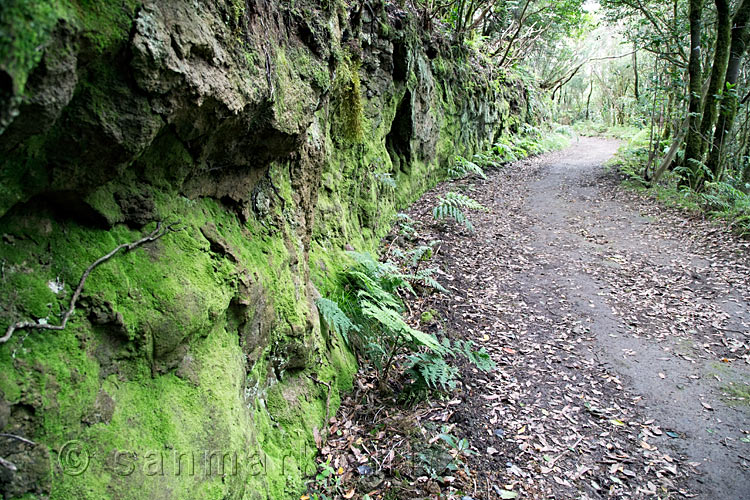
x=621, y=332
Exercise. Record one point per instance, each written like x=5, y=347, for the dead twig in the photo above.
x=153, y=236
x=569, y=448
x=19, y=438
x=8, y=465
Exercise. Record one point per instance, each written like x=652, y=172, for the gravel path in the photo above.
x=621, y=333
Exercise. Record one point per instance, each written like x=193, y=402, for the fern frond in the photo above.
x=421, y=253
x=369, y=288
x=462, y=167
x=392, y=320
x=386, y=179
x=431, y=370
x=364, y=260
x=424, y=276
x=451, y=205
x=335, y=318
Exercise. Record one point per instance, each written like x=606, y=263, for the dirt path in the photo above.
x=621, y=333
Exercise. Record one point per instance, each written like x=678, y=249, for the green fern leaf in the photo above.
x=335, y=318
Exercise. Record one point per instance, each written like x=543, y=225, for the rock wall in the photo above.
x=195, y=366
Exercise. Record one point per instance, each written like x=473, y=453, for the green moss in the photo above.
x=347, y=95
x=738, y=392
x=428, y=316
x=25, y=26
x=295, y=96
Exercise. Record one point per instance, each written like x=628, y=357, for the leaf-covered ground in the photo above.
x=621, y=333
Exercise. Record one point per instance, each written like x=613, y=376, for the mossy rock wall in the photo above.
x=195, y=366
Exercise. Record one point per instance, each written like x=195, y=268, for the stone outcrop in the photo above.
x=257, y=128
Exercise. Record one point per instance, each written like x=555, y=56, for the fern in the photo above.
x=486, y=160
x=370, y=289
x=452, y=205
x=424, y=276
x=381, y=274
x=393, y=322
x=407, y=225
x=419, y=254
x=504, y=151
x=386, y=179
x=462, y=167
x=383, y=335
x=431, y=371
x=335, y=318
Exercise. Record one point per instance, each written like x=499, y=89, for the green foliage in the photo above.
x=481, y=359
x=504, y=150
x=425, y=277
x=452, y=206
x=393, y=323
x=462, y=168
x=406, y=226
x=725, y=201
x=386, y=179
x=335, y=318
x=431, y=370
x=327, y=483
x=376, y=311
x=381, y=332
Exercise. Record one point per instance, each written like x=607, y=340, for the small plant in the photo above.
x=459, y=448
x=505, y=150
x=462, y=168
x=407, y=226
x=335, y=318
x=425, y=278
x=452, y=206
x=377, y=312
x=386, y=179
x=723, y=200
x=431, y=372
x=487, y=160
x=327, y=483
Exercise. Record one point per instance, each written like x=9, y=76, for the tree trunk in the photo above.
x=588, y=99
x=693, y=138
x=718, y=73
x=740, y=38
x=635, y=75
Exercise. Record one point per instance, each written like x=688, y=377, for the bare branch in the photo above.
x=19, y=438
x=8, y=465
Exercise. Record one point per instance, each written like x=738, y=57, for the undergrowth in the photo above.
x=727, y=199
x=452, y=206
x=369, y=318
